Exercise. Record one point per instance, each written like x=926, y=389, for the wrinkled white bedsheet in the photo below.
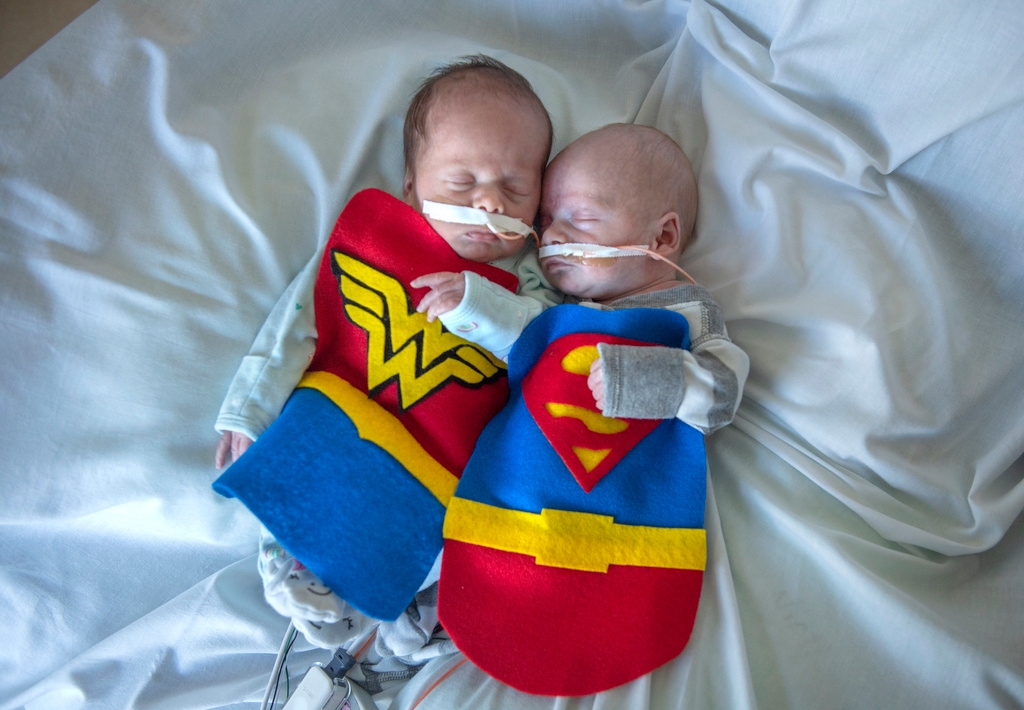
x=166, y=167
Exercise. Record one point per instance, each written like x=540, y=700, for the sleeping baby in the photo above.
x=387, y=405
x=612, y=197
x=574, y=544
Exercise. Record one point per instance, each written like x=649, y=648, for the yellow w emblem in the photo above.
x=402, y=345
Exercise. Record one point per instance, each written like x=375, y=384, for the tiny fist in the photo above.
x=596, y=383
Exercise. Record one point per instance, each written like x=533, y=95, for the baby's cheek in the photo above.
x=447, y=231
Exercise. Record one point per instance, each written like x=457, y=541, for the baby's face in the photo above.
x=485, y=151
x=586, y=200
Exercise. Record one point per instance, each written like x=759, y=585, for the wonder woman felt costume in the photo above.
x=353, y=477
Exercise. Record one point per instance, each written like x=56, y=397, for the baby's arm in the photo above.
x=477, y=309
x=701, y=386
x=275, y=363
x=483, y=312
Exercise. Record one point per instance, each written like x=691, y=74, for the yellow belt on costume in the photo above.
x=378, y=425
x=571, y=540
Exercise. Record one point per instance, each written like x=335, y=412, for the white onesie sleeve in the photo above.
x=491, y=316
x=276, y=361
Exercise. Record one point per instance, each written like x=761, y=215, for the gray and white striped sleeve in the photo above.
x=701, y=386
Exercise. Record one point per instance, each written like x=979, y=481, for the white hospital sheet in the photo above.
x=167, y=167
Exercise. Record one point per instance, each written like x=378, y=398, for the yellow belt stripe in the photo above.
x=582, y=541
x=376, y=424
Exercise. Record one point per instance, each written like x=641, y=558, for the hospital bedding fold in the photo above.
x=166, y=168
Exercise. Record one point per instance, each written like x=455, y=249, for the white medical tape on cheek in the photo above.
x=457, y=214
x=583, y=252
x=594, y=251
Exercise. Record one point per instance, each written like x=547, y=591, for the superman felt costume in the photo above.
x=569, y=529
x=383, y=421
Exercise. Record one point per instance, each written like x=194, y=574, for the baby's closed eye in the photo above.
x=517, y=189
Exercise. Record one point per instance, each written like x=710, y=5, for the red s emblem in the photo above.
x=558, y=397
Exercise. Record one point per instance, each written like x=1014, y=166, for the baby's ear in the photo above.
x=407, y=184
x=669, y=241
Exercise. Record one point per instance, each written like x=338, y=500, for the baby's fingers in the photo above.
x=425, y=304
x=438, y=302
x=596, y=383
x=232, y=444
x=240, y=443
x=223, y=449
x=433, y=280
x=445, y=294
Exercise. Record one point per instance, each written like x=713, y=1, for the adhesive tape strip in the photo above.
x=457, y=214
x=594, y=251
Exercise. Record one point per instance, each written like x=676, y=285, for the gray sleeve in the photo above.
x=705, y=382
x=642, y=382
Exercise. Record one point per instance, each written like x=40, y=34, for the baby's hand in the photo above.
x=233, y=443
x=446, y=292
x=596, y=383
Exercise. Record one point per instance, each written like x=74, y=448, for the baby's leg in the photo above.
x=293, y=591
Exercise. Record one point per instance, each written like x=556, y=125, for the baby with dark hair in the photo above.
x=476, y=140
x=475, y=136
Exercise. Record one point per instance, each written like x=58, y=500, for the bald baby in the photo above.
x=620, y=191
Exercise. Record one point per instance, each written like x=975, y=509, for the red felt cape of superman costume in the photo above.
x=354, y=476
x=575, y=548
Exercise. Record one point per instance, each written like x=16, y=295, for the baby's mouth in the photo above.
x=478, y=235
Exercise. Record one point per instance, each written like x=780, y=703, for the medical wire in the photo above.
x=275, y=675
x=655, y=255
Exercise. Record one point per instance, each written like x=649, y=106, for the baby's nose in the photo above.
x=552, y=235
x=488, y=199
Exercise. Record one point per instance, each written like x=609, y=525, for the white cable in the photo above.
x=275, y=675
